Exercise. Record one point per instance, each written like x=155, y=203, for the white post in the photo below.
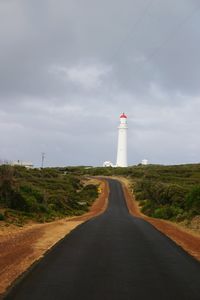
x=122, y=142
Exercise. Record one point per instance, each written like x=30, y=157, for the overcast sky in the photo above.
x=69, y=68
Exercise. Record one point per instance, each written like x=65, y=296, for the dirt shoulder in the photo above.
x=189, y=240
x=21, y=247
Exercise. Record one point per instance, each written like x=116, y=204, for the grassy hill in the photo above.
x=42, y=195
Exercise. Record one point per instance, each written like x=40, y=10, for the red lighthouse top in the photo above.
x=123, y=116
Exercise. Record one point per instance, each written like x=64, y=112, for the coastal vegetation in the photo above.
x=167, y=192
x=43, y=194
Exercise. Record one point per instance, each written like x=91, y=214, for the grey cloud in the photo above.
x=69, y=68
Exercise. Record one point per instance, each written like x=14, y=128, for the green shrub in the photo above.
x=167, y=212
x=44, y=194
x=162, y=213
x=193, y=200
x=2, y=217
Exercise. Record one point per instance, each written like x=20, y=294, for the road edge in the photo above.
x=101, y=201
x=188, y=241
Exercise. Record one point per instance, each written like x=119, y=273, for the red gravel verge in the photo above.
x=190, y=242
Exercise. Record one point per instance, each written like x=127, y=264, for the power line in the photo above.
x=173, y=33
x=143, y=14
x=170, y=36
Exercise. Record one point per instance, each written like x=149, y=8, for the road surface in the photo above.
x=112, y=257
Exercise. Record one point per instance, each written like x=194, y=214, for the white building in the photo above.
x=108, y=164
x=144, y=162
x=28, y=165
x=122, y=142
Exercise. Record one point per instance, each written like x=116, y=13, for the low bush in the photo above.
x=193, y=200
x=44, y=194
x=2, y=217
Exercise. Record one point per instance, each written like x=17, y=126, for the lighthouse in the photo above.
x=122, y=142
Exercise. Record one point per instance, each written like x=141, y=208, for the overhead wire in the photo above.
x=170, y=36
x=140, y=19
x=173, y=33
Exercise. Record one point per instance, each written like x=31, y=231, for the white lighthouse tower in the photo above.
x=122, y=142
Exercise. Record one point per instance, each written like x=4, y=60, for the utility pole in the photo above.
x=43, y=157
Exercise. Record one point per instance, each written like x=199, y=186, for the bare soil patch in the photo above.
x=21, y=247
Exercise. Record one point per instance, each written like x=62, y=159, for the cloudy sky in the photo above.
x=68, y=68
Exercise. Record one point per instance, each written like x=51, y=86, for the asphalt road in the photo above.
x=113, y=257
